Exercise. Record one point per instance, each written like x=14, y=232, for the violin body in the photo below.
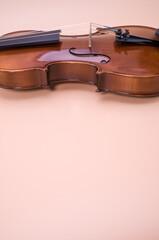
x=133, y=69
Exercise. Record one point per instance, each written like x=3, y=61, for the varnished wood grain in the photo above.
x=133, y=69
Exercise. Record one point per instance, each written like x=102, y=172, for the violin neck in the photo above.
x=35, y=39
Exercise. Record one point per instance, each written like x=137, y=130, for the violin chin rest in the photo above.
x=157, y=33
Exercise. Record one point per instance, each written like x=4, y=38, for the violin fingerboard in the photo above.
x=35, y=39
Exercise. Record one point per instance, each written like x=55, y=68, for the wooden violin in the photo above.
x=123, y=60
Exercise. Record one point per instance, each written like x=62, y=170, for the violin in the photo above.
x=122, y=60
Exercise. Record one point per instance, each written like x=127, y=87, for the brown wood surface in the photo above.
x=133, y=69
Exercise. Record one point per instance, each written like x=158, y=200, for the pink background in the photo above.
x=75, y=164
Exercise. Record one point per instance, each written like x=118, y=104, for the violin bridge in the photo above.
x=90, y=36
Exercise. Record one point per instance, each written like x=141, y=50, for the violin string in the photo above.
x=107, y=27
x=23, y=36
x=109, y=30
x=83, y=28
x=35, y=34
x=93, y=26
x=71, y=26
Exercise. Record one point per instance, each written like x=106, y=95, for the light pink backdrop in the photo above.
x=75, y=164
